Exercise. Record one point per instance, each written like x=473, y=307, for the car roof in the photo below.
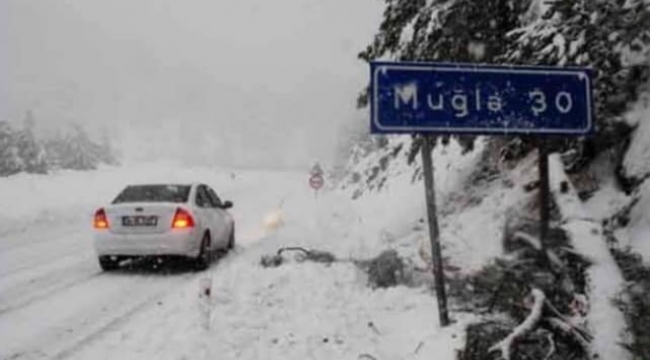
x=161, y=184
x=192, y=184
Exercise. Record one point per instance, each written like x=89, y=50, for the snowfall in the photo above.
x=56, y=303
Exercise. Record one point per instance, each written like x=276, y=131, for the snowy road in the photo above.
x=53, y=296
x=55, y=303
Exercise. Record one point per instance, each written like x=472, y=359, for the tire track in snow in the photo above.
x=108, y=325
x=217, y=269
x=95, y=325
x=42, y=260
x=41, y=337
x=44, y=294
x=90, y=338
x=31, y=232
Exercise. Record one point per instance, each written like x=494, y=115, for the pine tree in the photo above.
x=446, y=31
x=29, y=149
x=611, y=37
x=81, y=154
x=10, y=161
x=75, y=150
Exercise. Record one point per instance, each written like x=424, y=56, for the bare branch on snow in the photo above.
x=533, y=318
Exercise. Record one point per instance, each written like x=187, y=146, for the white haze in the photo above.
x=244, y=82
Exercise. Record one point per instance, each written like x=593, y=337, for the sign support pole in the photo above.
x=436, y=256
x=544, y=196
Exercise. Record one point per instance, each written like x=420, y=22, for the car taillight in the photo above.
x=101, y=221
x=182, y=219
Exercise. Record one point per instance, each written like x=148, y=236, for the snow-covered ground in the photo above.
x=56, y=303
x=53, y=296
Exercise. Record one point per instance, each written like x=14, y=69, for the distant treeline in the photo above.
x=71, y=148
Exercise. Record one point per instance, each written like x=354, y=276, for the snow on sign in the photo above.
x=480, y=99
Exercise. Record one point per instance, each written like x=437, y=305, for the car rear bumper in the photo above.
x=177, y=242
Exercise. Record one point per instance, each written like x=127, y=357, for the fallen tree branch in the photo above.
x=313, y=255
x=367, y=356
x=497, y=290
x=529, y=239
x=293, y=248
x=583, y=333
x=533, y=318
x=417, y=349
x=551, y=344
x=555, y=260
x=567, y=328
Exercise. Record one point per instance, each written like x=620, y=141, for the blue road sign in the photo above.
x=478, y=99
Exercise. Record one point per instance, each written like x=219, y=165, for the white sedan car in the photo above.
x=187, y=220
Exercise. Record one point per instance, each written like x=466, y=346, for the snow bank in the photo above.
x=292, y=312
x=390, y=218
x=471, y=216
x=298, y=310
x=636, y=166
x=637, y=158
x=637, y=231
x=605, y=280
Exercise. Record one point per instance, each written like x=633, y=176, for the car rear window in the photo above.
x=154, y=193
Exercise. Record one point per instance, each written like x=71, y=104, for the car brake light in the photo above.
x=101, y=221
x=182, y=219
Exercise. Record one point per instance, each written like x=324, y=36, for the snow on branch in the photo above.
x=533, y=318
x=530, y=239
x=603, y=275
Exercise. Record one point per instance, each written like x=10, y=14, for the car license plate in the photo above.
x=139, y=220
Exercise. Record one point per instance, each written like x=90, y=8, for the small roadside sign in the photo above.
x=316, y=181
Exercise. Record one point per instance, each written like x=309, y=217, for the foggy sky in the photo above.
x=238, y=81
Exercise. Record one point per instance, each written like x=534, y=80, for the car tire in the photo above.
x=231, y=240
x=107, y=263
x=202, y=261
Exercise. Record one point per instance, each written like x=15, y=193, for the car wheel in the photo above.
x=231, y=240
x=107, y=263
x=202, y=261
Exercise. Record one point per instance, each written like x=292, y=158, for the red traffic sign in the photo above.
x=316, y=181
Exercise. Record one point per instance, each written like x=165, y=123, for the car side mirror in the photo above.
x=227, y=205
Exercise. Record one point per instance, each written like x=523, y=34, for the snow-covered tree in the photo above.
x=75, y=150
x=611, y=36
x=10, y=161
x=21, y=151
x=444, y=30
x=30, y=150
